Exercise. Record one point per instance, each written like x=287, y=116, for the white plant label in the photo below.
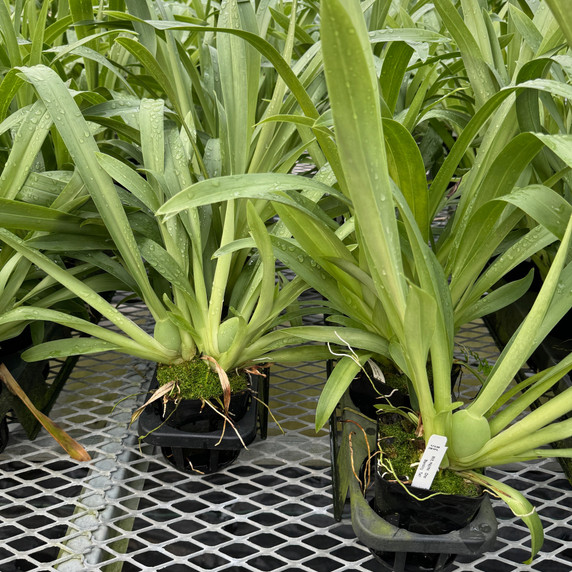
x=430, y=461
x=376, y=371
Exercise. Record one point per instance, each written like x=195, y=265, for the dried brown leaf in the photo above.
x=157, y=394
x=71, y=446
x=224, y=382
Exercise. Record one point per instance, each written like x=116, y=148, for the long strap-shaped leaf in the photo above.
x=268, y=51
x=72, y=447
x=83, y=291
x=27, y=216
x=355, y=101
x=561, y=11
x=525, y=340
x=252, y=186
x=267, y=131
x=27, y=144
x=239, y=65
x=475, y=64
x=519, y=506
x=75, y=132
x=446, y=172
x=81, y=11
x=408, y=172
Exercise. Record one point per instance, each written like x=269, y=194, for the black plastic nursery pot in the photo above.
x=432, y=515
x=195, y=438
x=33, y=379
x=366, y=391
x=418, y=511
x=353, y=439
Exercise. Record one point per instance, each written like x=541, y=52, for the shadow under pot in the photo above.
x=194, y=436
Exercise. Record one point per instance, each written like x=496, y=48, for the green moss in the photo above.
x=397, y=381
x=393, y=378
x=452, y=483
x=197, y=380
x=399, y=444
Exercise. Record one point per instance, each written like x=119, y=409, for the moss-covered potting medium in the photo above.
x=399, y=445
x=196, y=379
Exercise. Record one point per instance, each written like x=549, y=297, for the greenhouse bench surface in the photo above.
x=128, y=509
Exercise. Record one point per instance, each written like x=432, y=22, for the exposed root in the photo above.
x=269, y=413
x=160, y=392
x=367, y=470
x=226, y=420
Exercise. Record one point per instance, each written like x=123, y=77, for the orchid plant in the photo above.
x=397, y=267
x=408, y=293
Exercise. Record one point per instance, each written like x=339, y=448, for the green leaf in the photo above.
x=526, y=339
x=507, y=167
x=337, y=335
x=544, y=205
x=9, y=35
x=518, y=505
x=301, y=35
x=256, y=185
x=306, y=267
x=526, y=28
x=81, y=11
x=25, y=148
x=165, y=265
x=533, y=241
x=139, y=338
x=38, y=37
x=57, y=349
x=83, y=149
x=25, y=216
x=9, y=87
x=473, y=58
x=266, y=285
x=543, y=381
x=419, y=324
x=55, y=30
x=352, y=84
x=67, y=242
x=495, y=300
x=152, y=66
x=129, y=178
x=411, y=35
x=264, y=47
x=408, y=172
x=561, y=11
x=561, y=145
x=297, y=354
x=336, y=385
x=239, y=65
x=230, y=330
x=151, y=118
x=395, y=62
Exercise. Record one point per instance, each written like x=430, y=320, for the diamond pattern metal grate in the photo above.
x=129, y=510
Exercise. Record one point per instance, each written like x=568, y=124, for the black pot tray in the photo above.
x=153, y=430
x=374, y=531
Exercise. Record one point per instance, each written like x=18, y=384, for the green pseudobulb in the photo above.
x=167, y=334
x=469, y=433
